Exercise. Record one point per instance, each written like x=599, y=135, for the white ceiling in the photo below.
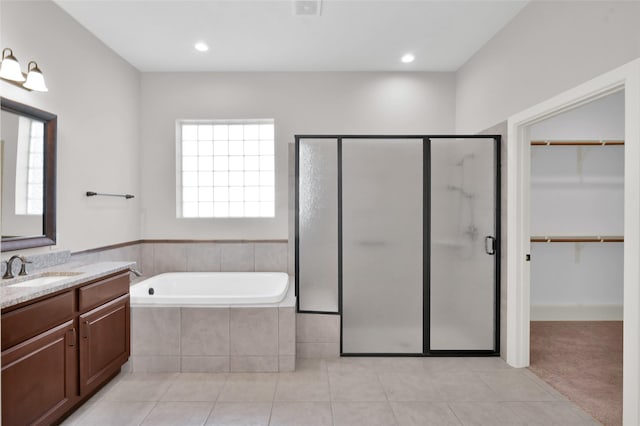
x=356, y=35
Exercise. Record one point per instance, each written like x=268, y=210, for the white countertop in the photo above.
x=10, y=296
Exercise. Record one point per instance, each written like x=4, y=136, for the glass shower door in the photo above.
x=462, y=284
x=317, y=241
x=382, y=246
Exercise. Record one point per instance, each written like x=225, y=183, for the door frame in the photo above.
x=627, y=78
x=426, y=144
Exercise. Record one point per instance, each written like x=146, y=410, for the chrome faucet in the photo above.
x=23, y=268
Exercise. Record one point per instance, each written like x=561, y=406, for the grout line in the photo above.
x=147, y=415
x=454, y=413
x=213, y=406
x=270, y=413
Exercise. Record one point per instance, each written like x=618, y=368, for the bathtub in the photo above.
x=211, y=288
x=213, y=322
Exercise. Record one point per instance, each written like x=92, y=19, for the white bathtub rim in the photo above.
x=288, y=301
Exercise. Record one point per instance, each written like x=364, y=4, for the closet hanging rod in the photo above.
x=585, y=239
x=576, y=143
x=93, y=194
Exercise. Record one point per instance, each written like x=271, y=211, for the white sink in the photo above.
x=44, y=279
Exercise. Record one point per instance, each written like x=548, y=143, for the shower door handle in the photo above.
x=490, y=245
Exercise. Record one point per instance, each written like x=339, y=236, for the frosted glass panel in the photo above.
x=462, y=283
x=382, y=196
x=318, y=225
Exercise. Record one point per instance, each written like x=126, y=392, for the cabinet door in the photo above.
x=104, y=342
x=39, y=377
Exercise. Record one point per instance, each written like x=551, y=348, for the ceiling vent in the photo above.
x=307, y=7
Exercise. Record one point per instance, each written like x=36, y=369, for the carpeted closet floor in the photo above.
x=583, y=361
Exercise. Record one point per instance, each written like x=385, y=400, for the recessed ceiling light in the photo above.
x=408, y=58
x=201, y=47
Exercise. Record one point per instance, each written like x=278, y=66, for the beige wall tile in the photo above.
x=286, y=331
x=204, y=364
x=203, y=257
x=154, y=364
x=155, y=331
x=270, y=257
x=204, y=331
x=317, y=328
x=237, y=257
x=169, y=258
x=146, y=260
x=253, y=331
x=317, y=350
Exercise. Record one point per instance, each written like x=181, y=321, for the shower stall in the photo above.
x=399, y=236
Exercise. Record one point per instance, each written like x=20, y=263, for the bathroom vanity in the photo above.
x=62, y=340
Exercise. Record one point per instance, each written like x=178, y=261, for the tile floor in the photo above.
x=337, y=391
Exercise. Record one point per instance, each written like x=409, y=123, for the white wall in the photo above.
x=95, y=94
x=548, y=48
x=578, y=191
x=300, y=103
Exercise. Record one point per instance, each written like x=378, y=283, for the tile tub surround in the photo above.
x=344, y=391
x=158, y=256
x=214, y=339
x=317, y=335
x=219, y=256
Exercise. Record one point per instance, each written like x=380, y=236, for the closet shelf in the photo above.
x=578, y=239
x=575, y=180
x=576, y=142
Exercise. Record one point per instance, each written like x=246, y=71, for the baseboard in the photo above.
x=576, y=313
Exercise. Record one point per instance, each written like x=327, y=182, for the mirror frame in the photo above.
x=48, y=236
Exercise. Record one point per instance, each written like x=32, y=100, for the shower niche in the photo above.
x=399, y=236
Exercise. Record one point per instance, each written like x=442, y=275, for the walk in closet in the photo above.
x=577, y=201
x=577, y=243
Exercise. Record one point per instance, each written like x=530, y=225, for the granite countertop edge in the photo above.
x=10, y=296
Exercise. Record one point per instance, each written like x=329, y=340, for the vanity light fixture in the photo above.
x=10, y=68
x=35, y=79
x=11, y=72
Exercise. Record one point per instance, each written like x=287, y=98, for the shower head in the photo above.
x=464, y=158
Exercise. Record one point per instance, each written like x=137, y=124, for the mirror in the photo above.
x=28, y=158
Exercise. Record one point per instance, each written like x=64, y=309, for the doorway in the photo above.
x=626, y=77
x=577, y=218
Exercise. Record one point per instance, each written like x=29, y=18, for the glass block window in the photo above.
x=226, y=168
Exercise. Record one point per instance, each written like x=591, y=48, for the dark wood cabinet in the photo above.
x=104, y=342
x=59, y=349
x=39, y=377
